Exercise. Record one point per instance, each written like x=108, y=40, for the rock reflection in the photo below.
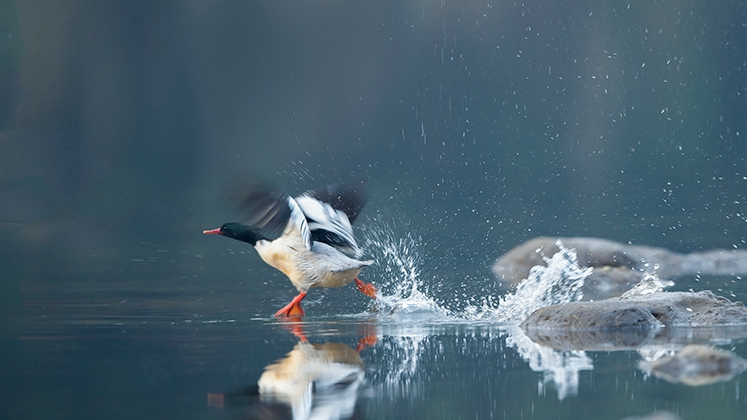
x=641, y=340
x=696, y=365
x=600, y=340
x=562, y=354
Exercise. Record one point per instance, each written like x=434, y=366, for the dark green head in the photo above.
x=236, y=231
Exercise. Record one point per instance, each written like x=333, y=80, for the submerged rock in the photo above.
x=629, y=322
x=598, y=340
x=617, y=267
x=697, y=365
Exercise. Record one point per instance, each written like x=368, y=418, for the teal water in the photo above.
x=477, y=126
x=161, y=344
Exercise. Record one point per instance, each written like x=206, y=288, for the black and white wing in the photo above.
x=350, y=198
x=330, y=212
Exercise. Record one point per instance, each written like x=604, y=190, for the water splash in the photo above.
x=395, y=249
x=650, y=283
x=405, y=301
x=561, y=281
x=404, y=293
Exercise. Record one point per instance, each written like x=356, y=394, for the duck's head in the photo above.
x=236, y=231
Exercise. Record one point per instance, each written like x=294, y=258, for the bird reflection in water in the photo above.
x=317, y=381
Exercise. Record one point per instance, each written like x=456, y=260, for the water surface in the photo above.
x=163, y=346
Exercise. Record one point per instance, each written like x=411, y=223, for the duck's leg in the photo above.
x=293, y=308
x=294, y=324
x=367, y=289
x=366, y=342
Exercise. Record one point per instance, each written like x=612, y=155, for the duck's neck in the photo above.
x=242, y=233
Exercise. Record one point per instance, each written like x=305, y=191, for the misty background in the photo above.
x=476, y=124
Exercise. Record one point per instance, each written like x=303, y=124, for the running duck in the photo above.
x=308, y=238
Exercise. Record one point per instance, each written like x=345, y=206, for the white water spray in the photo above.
x=404, y=290
x=561, y=281
x=398, y=262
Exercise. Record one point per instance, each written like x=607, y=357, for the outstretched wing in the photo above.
x=350, y=198
x=330, y=212
x=267, y=209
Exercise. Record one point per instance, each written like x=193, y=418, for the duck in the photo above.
x=309, y=238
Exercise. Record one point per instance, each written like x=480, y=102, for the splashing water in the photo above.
x=650, y=283
x=559, y=282
x=398, y=263
x=404, y=291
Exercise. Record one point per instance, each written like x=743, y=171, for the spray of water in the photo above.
x=395, y=249
x=404, y=297
x=650, y=283
x=559, y=282
x=405, y=291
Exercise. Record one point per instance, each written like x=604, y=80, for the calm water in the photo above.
x=477, y=127
x=165, y=344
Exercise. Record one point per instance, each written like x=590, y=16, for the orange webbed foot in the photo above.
x=293, y=308
x=367, y=289
x=366, y=342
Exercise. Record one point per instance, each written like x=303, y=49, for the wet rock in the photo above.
x=600, y=340
x=592, y=316
x=656, y=339
x=629, y=322
x=697, y=365
x=648, y=311
x=617, y=267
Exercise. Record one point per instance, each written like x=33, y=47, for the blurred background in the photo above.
x=477, y=124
